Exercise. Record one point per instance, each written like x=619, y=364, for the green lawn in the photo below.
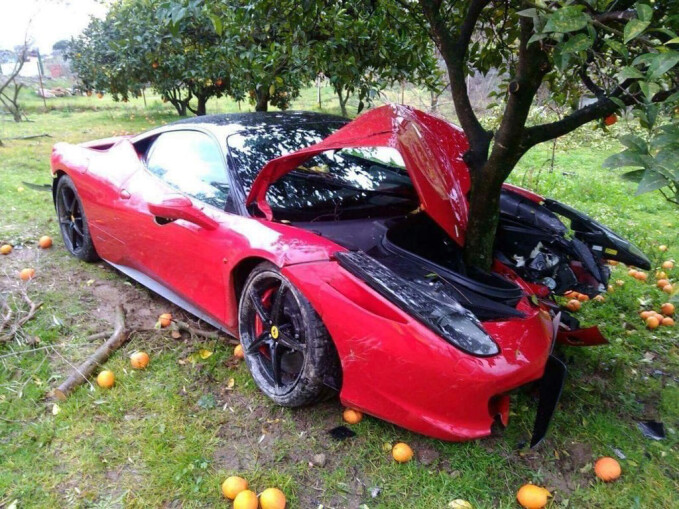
x=168, y=436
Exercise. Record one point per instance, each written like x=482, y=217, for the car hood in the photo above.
x=431, y=149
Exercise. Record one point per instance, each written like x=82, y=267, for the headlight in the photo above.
x=438, y=311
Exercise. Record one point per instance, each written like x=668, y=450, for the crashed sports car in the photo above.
x=333, y=251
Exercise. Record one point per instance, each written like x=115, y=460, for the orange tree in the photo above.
x=130, y=49
x=620, y=53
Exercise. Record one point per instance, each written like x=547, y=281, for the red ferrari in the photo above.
x=332, y=249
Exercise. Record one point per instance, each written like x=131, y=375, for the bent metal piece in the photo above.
x=551, y=386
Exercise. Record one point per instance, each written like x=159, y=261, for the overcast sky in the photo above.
x=47, y=21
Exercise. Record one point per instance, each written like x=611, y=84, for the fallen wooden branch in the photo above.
x=33, y=309
x=100, y=356
x=31, y=136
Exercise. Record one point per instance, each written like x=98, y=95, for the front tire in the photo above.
x=72, y=221
x=287, y=348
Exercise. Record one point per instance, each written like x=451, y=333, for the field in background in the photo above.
x=167, y=437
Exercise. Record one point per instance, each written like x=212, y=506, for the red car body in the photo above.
x=394, y=367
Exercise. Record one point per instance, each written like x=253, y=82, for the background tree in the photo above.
x=364, y=47
x=130, y=49
x=10, y=86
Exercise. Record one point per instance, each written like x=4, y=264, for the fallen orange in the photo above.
x=246, y=499
x=652, y=322
x=5, y=249
x=532, y=497
x=106, y=379
x=272, y=498
x=645, y=314
x=667, y=288
x=233, y=485
x=27, y=274
x=669, y=264
x=238, y=352
x=667, y=308
x=402, y=452
x=573, y=305
x=607, y=469
x=352, y=416
x=45, y=242
x=662, y=283
x=662, y=248
x=165, y=319
x=667, y=321
x=139, y=360
x=582, y=297
x=641, y=276
x=661, y=275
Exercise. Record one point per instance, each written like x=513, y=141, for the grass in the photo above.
x=167, y=436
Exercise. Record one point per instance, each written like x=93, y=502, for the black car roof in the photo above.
x=243, y=121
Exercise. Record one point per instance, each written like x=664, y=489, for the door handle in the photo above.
x=124, y=194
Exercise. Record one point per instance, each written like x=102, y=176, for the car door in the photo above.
x=174, y=225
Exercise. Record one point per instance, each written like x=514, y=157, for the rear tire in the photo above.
x=72, y=221
x=287, y=348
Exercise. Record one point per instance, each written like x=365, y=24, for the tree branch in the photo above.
x=454, y=52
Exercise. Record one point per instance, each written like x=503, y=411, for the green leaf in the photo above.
x=674, y=40
x=618, y=47
x=634, y=28
x=634, y=143
x=629, y=73
x=577, y=43
x=624, y=158
x=649, y=89
x=662, y=63
x=651, y=181
x=634, y=175
x=644, y=12
x=567, y=19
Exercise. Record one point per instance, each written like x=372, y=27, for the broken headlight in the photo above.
x=442, y=314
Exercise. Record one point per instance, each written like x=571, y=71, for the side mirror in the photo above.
x=175, y=207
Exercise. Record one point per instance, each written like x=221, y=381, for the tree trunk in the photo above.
x=201, y=108
x=262, y=96
x=180, y=106
x=342, y=101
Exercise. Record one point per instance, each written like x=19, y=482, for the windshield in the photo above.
x=348, y=183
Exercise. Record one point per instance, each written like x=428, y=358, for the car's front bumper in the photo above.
x=397, y=369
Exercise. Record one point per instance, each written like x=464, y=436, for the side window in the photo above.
x=191, y=162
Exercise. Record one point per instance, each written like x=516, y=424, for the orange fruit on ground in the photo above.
x=662, y=283
x=641, y=276
x=5, y=249
x=238, y=352
x=652, y=322
x=612, y=262
x=272, y=498
x=352, y=416
x=139, y=360
x=402, y=452
x=645, y=314
x=600, y=298
x=573, y=305
x=165, y=319
x=610, y=288
x=607, y=469
x=100, y=95
x=660, y=275
x=667, y=288
x=233, y=485
x=667, y=321
x=571, y=294
x=27, y=274
x=106, y=379
x=45, y=242
x=582, y=297
x=662, y=248
x=619, y=282
x=246, y=499
x=669, y=264
x=632, y=273
x=532, y=497
x=667, y=308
